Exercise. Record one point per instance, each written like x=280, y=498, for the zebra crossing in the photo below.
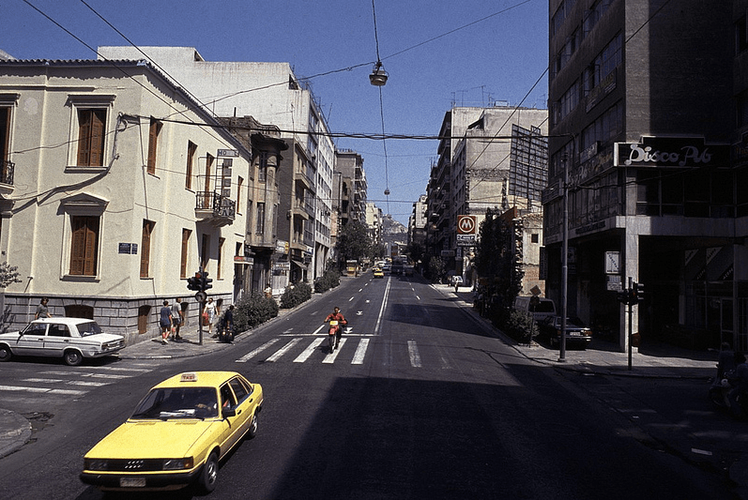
x=302, y=349
x=72, y=382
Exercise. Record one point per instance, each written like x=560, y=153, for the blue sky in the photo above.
x=438, y=53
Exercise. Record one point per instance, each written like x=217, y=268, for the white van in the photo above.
x=543, y=309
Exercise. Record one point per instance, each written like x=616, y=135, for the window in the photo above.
x=208, y=168
x=6, y=171
x=219, y=272
x=260, y=219
x=145, y=247
x=153, y=132
x=84, y=247
x=263, y=167
x=204, y=252
x=91, y=131
x=239, y=184
x=186, y=233
x=143, y=313
x=191, y=151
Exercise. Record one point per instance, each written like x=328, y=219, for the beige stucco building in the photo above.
x=120, y=188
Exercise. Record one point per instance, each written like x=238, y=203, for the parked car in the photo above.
x=71, y=339
x=455, y=280
x=177, y=434
x=576, y=332
x=539, y=307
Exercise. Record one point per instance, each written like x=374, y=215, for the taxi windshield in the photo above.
x=178, y=402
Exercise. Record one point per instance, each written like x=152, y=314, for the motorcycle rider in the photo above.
x=740, y=386
x=336, y=315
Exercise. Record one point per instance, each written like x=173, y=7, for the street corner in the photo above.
x=15, y=431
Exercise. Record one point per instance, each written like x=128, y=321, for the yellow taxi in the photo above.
x=378, y=273
x=177, y=434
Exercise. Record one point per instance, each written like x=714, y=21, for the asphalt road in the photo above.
x=419, y=402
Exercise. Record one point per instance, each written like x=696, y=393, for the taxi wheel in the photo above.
x=209, y=474
x=252, y=432
x=5, y=353
x=72, y=358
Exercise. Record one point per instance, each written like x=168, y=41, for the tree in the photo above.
x=353, y=241
x=8, y=275
x=498, y=257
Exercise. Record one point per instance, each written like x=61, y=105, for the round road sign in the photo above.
x=201, y=296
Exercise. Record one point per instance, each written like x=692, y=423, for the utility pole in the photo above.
x=565, y=261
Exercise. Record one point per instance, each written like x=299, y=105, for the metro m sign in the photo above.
x=466, y=224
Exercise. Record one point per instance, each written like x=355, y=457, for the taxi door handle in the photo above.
x=239, y=412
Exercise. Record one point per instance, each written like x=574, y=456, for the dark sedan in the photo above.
x=576, y=332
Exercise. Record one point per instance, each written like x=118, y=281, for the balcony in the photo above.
x=6, y=177
x=215, y=209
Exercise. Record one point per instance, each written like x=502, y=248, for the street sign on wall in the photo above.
x=466, y=224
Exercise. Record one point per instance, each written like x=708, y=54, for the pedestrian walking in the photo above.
x=165, y=321
x=210, y=311
x=177, y=318
x=42, y=311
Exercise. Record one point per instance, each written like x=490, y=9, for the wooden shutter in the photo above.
x=191, y=149
x=153, y=132
x=84, y=246
x=185, y=247
x=145, y=248
x=91, y=130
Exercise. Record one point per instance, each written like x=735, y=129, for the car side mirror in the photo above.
x=228, y=412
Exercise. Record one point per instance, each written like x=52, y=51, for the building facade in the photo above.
x=272, y=94
x=108, y=202
x=640, y=127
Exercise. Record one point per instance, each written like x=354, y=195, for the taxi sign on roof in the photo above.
x=189, y=377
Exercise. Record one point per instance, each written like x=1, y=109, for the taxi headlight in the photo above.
x=95, y=464
x=178, y=463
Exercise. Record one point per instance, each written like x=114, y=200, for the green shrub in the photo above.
x=295, y=295
x=252, y=310
x=520, y=325
x=330, y=279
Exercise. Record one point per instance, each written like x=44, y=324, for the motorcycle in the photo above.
x=334, y=333
x=719, y=395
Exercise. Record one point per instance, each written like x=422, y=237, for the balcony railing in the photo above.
x=223, y=209
x=6, y=172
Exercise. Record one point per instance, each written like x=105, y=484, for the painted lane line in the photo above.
x=283, y=350
x=330, y=358
x=349, y=300
x=257, y=351
x=309, y=350
x=42, y=380
x=358, y=356
x=384, y=304
x=118, y=369
x=415, y=358
x=87, y=384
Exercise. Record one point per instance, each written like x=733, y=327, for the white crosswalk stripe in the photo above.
x=73, y=382
x=313, y=350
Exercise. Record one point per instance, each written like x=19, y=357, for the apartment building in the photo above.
x=116, y=187
x=272, y=94
x=642, y=117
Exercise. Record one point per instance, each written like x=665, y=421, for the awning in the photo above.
x=300, y=264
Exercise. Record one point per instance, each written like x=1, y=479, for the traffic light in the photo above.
x=194, y=282
x=637, y=293
x=206, y=282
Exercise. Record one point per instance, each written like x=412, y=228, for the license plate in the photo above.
x=575, y=334
x=132, y=482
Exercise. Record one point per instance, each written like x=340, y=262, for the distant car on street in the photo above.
x=576, y=332
x=71, y=339
x=378, y=273
x=177, y=435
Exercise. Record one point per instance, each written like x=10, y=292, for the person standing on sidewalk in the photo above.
x=211, y=311
x=42, y=311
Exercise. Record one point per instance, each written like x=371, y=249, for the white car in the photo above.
x=71, y=339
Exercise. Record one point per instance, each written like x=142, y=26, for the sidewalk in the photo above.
x=651, y=360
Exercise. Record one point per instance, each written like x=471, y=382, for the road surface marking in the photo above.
x=257, y=351
x=358, y=357
x=415, y=358
x=330, y=358
x=309, y=350
x=283, y=350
